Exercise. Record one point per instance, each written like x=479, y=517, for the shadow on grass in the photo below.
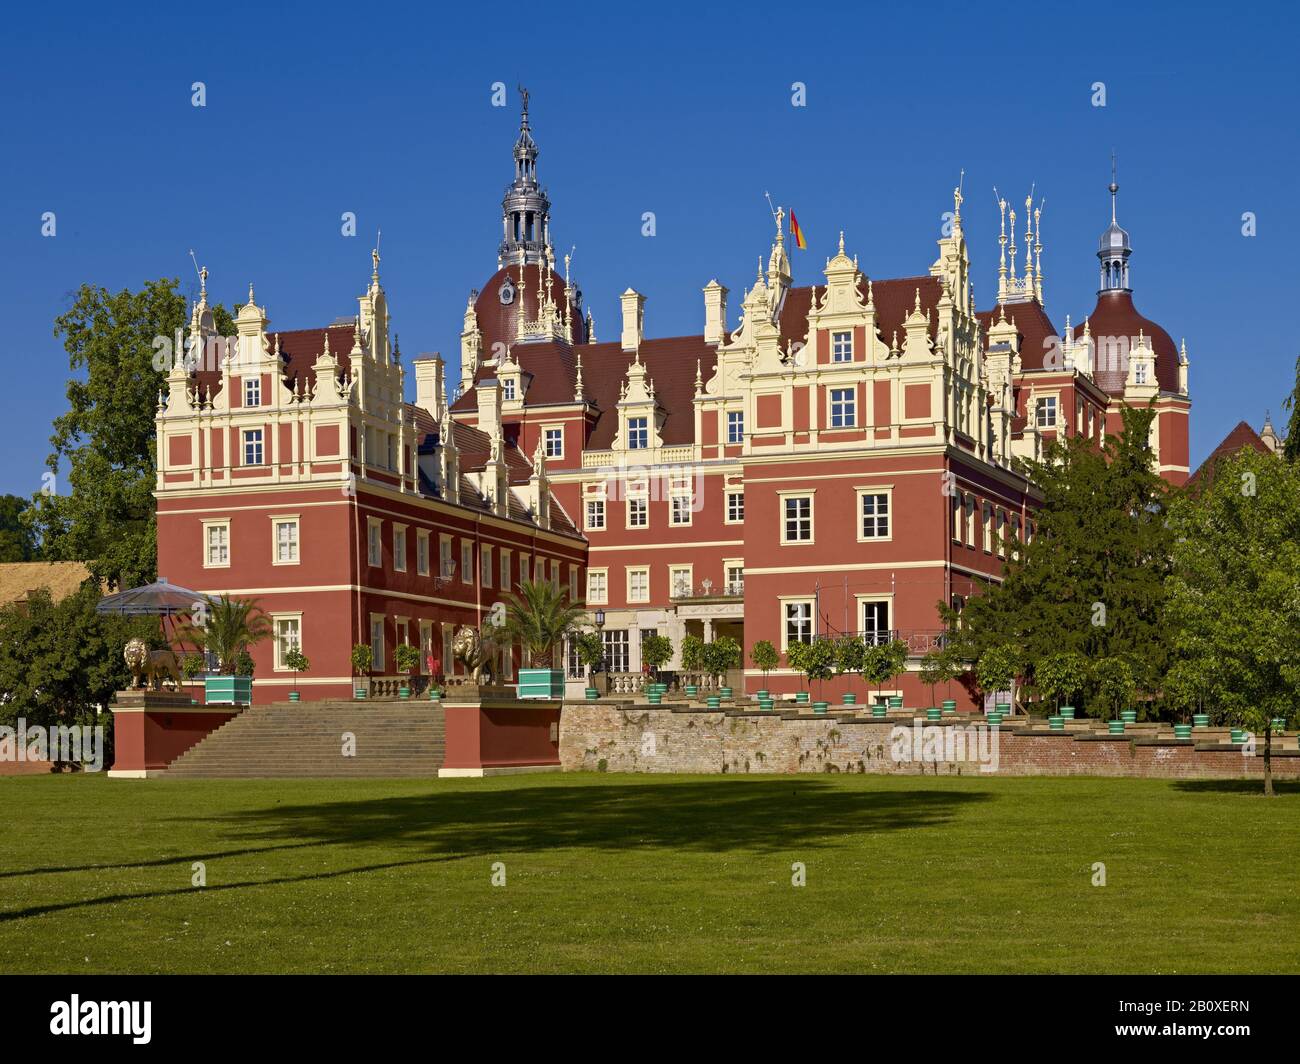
x=758, y=815
x=1255, y=786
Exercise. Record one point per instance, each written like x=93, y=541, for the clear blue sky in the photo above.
x=681, y=110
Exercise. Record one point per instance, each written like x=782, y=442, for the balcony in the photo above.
x=920, y=641
x=707, y=592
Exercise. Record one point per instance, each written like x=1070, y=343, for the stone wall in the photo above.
x=644, y=738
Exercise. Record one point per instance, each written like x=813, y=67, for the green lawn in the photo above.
x=648, y=874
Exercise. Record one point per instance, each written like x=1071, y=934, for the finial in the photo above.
x=918, y=300
x=250, y=294
x=841, y=241
x=374, y=259
x=957, y=197
x=699, y=375
x=203, y=284
x=1114, y=188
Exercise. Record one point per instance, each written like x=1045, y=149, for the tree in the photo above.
x=406, y=657
x=540, y=616
x=1115, y=684
x=720, y=655
x=937, y=667
x=363, y=659
x=297, y=661
x=17, y=543
x=106, y=438
x=656, y=651
x=590, y=648
x=1092, y=580
x=883, y=661
x=1061, y=675
x=764, y=657
x=692, y=654
x=1291, y=448
x=998, y=668
x=849, y=653
x=816, y=660
x=1234, y=598
x=59, y=661
x=227, y=628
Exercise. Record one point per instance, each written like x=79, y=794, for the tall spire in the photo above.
x=525, y=210
x=1114, y=248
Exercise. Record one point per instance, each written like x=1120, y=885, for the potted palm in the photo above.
x=406, y=658
x=295, y=660
x=539, y=616
x=363, y=660
x=692, y=661
x=229, y=626
x=764, y=657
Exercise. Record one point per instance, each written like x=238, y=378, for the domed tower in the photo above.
x=526, y=210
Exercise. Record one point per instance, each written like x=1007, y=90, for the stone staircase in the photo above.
x=305, y=739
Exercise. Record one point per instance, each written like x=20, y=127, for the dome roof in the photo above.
x=1115, y=238
x=500, y=302
x=1115, y=319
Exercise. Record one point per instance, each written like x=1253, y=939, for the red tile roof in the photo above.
x=1239, y=439
x=1116, y=317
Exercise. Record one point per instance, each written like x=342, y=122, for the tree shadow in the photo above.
x=762, y=815
x=1250, y=786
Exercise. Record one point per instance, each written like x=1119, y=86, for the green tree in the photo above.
x=1093, y=579
x=228, y=627
x=937, y=667
x=998, y=668
x=720, y=655
x=17, y=542
x=881, y=662
x=103, y=447
x=692, y=654
x=764, y=657
x=1115, y=684
x=1291, y=448
x=656, y=651
x=1061, y=675
x=849, y=653
x=590, y=648
x=540, y=617
x=1234, y=598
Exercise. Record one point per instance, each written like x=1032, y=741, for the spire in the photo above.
x=1114, y=248
x=525, y=210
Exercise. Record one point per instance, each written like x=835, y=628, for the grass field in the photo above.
x=648, y=874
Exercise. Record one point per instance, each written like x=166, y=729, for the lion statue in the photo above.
x=149, y=668
x=469, y=648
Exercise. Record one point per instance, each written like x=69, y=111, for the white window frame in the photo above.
x=422, y=551
x=638, y=429
x=466, y=561
x=676, y=581
x=862, y=494
x=638, y=571
x=681, y=509
x=638, y=504
x=787, y=497
x=587, y=514
x=508, y=389
x=485, y=565
x=841, y=346
x=598, y=586
x=505, y=569
x=378, y=651
x=399, y=548
x=847, y=408
x=873, y=601
x=278, y=650
x=735, y=427
x=293, y=521
x=375, y=542
x=222, y=523
x=253, y=391
x=446, y=559
x=796, y=601
x=728, y=584
x=550, y=432
x=259, y=443
x=1046, y=411
x=728, y=518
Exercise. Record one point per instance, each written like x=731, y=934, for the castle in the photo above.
x=839, y=458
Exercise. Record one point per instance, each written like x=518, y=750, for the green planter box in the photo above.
x=1238, y=735
x=1201, y=720
x=946, y=712
x=228, y=690
x=540, y=683
x=404, y=691
x=1056, y=723
x=293, y=696
x=821, y=707
x=849, y=699
x=1115, y=727
x=878, y=711
x=1067, y=712
x=1128, y=716
x=766, y=703
x=801, y=697
x=933, y=713
x=1182, y=731
x=949, y=706
x=895, y=701
x=592, y=694
x=1002, y=707
x=654, y=698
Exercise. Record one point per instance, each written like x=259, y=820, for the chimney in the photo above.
x=633, y=319
x=715, y=312
x=430, y=393
x=488, y=393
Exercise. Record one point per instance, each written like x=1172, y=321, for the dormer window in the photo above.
x=842, y=347
x=252, y=391
x=638, y=433
x=508, y=388
x=1140, y=373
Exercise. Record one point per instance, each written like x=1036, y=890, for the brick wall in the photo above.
x=658, y=739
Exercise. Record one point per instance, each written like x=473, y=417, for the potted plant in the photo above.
x=850, y=652
x=764, y=657
x=191, y=666
x=590, y=649
x=1061, y=676
x=796, y=657
x=406, y=658
x=692, y=661
x=995, y=671
x=656, y=652
x=540, y=617
x=228, y=627
x=936, y=668
x=817, y=662
x=1113, y=678
x=434, y=666
x=363, y=660
x=721, y=655
x=882, y=662
x=294, y=660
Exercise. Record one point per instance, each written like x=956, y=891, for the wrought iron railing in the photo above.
x=732, y=589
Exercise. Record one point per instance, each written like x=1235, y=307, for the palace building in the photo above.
x=838, y=457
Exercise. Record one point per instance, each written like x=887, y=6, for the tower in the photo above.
x=1114, y=249
x=526, y=210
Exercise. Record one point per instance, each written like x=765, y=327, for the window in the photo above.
x=573, y=582
x=875, y=515
x=843, y=408
x=523, y=568
x=377, y=642
x=252, y=447
x=842, y=347
x=638, y=584
x=1046, y=411
x=1001, y=533
x=735, y=507
x=555, y=573
x=485, y=566
x=252, y=391
x=970, y=520
x=422, y=551
x=595, y=514
x=466, y=562
x=735, y=426
x=505, y=570
x=446, y=567
x=616, y=655
x=957, y=498
x=597, y=586
x=553, y=443
x=448, y=660
x=735, y=572
x=875, y=622
x=217, y=547
x=798, y=623
x=374, y=546
x=638, y=433
x=288, y=636
x=680, y=580
x=391, y=441
x=576, y=670
x=638, y=513
x=286, y=540
x=987, y=519
x=1140, y=373
x=399, y=548
x=797, y=527
x=508, y=388
x=679, y=512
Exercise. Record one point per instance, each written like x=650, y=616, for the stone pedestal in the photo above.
x=151, y=729
x=491, y=736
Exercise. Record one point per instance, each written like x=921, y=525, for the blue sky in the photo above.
x=680, y=110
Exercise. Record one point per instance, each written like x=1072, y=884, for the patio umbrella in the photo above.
x=159, y=599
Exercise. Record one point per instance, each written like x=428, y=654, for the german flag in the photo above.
x=797, y=233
